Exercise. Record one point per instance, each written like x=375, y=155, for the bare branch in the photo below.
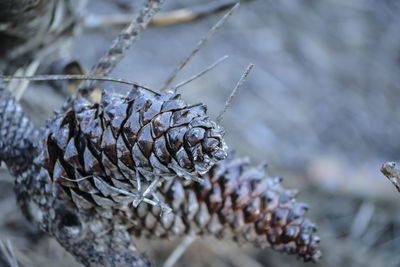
x=179, y=250
x=122, y=44
x=362, y=219
x=234, y=92
x=17, y=88
x=392, y=172
x=8, y=254
x=200, y=44
x=166, y=18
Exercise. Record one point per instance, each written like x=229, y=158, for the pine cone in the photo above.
x=236, y=201
x=108, y=154
x=16, y=131
x=100, y=156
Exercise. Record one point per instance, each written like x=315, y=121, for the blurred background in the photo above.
x=321, y=107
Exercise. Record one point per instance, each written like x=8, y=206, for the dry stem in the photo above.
x=390, y=170
x=121, y=44
x=200, y=44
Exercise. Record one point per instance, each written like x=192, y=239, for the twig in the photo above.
x=362, y=219
x=166, y=18
x=200, y=44
x=122, y=44
x=56, y=77
x=8, y=253
x=18, y=88
x=141, y=196
x=390, y=170
x=236, y=256
x=183, y=83
x=13, y=262
x=179, y=250
x=234, y=92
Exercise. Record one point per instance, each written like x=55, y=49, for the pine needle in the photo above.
x=57, y=77
x=200, y=44
x=234, y=92
x=183, y=83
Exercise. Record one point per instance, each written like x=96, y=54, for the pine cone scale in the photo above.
x=116, y=149
x=135, y=138
x=161, y=124
x=257, y=210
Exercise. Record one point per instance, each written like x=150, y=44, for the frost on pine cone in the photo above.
x=235, y=201
x=108, y=154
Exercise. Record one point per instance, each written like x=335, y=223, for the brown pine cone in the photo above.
x=80, y=232
x=108, y=154
x=100, y=156
x=235, y=201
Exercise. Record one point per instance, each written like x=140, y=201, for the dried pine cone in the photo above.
x=108, y=154
x=236, y=201
x=80, y=232
x=15, y=132
x=100, y=156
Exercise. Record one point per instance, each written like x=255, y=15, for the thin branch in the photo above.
x=8, y=253
x=179, y=250
x=122, y=44
x=234, y=92
x=52, y=77
x=183, y=83
x=141, y=196
x=18, y=88
x=11, y=250
x=362, y=219
x=166, y=18
x=234, y=253
x=392, y=172
x=200, y=44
